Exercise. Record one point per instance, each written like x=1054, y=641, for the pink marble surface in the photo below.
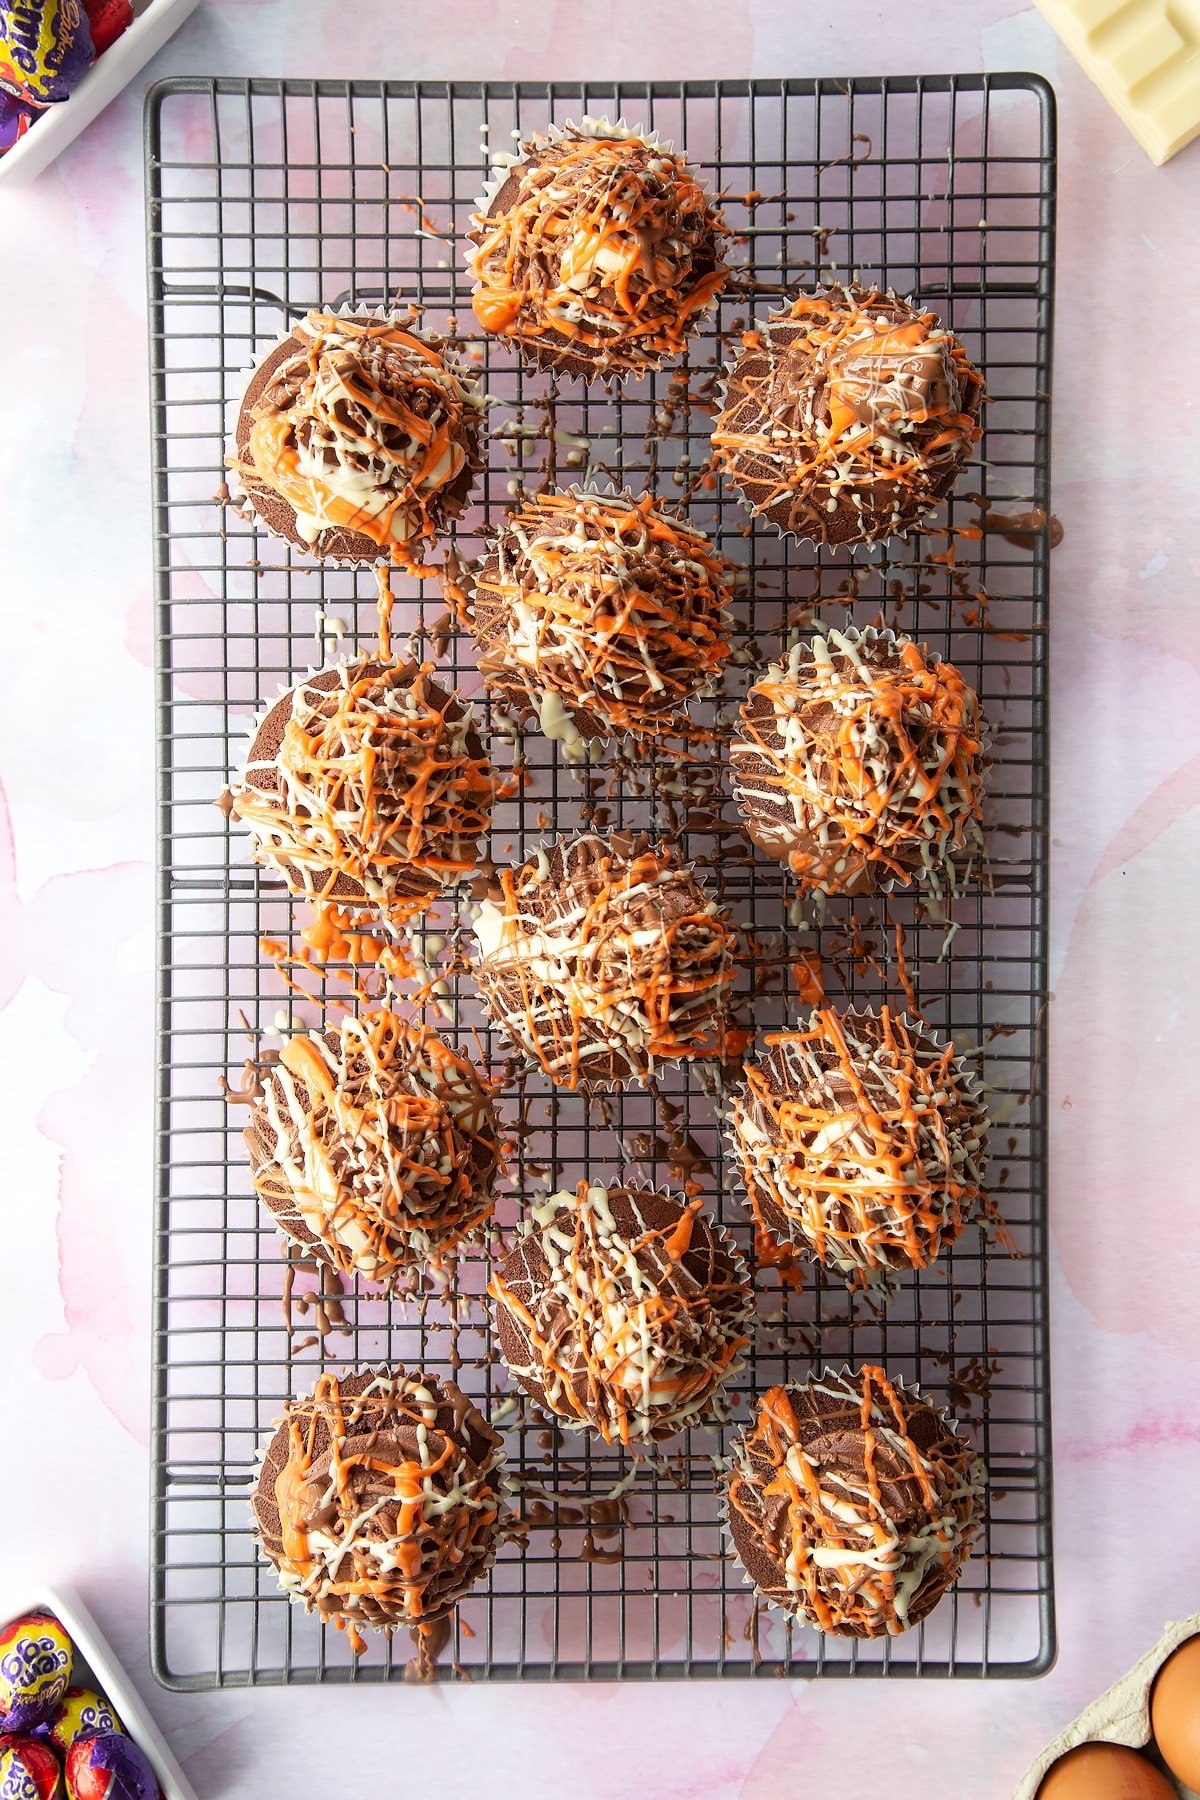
x=76, y=949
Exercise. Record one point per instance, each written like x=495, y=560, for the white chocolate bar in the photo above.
x=1144, y=56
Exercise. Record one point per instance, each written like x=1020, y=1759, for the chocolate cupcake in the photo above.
x=358, y=438
x=378, y=1499
x=852, y=1503
x=602, y=957
x=859, y=762
x=622, y=1311
x=367, y=784
x=601, y=616
x=374, y=1145
x=848, y=416
x=596, y=251
x=862, y=1141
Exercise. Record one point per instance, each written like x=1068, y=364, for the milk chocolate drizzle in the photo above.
x=378, y=1499
x=853, y=1503
x=599, y=250
x=602, y=958
x=862, y=1141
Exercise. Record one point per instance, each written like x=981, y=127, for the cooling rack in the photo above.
x=266, y=198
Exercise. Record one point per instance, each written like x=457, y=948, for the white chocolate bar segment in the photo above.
x=1144, y=56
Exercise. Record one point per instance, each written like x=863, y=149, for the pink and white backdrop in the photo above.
x=76, y=933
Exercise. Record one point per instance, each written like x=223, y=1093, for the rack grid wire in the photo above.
x=266, y=198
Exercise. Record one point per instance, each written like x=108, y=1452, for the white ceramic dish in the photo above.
x=96, y=1666
x=153, y=23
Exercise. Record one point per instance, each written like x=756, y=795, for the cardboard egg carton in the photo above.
x=1121, y=1716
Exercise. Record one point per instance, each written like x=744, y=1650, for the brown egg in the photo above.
x=1175, y=1713
x=1104, y=1772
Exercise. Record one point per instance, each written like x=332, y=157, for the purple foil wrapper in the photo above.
x=15, y=120
x=109, y=1767
x=45, y=49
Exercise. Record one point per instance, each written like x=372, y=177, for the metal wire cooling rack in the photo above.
x=266, y=198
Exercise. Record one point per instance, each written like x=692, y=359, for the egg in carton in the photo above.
x=1123, y=1717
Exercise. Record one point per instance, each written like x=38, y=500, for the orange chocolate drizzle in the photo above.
x=601, y=959
x=368, y=956
x=379, y=790
x=862, y=1141
x=377, y=433
x=378, y=1501
x=860, y=763
x=609, y=604
x=605, y=252
x=849, y=397
x=631, y=1309
x=853, y=1503
x=378, y=1141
